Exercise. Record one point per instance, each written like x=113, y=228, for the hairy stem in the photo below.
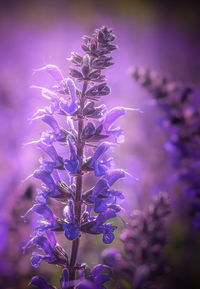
x=79, y=182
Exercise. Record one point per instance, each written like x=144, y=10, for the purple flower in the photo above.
x=70, y=227
x=50, y=150
x=40, y=283
x=95, y=225
x=53, y=70
x=72, y=165
x=64, y=280
x=95, y=279
x=77, y=106
x=70, y=108
x=46, y=246
x=105, y=229
x=100, y=167
x=110, y=117
x=47, y=179
x=102, y=196
x=50, y=220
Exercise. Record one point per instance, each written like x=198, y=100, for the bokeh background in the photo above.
x=161, y=35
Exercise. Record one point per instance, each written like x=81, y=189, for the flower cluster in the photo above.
x=85, y=137
x=144, y=239
x=182, y=121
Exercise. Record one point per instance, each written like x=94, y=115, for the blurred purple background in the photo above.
x=33, y=34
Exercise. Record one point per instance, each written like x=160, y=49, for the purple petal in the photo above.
x=50, y=120
x=40, y=282
x=45, y=212
x=43, y=243
x=50, y=150
x=108, y=238
x=113, y=176
x=97, y=269
x=48, y=137
x=53, y=70
x=69, y=212
x=70, y=108
x=99, y=152
x=46, y=166
x=101, y=186
x=72, y=149
x=56, y=176
x=102, y=278
x=101, y=204
x=112, y=116
x=103, y=217
x=100, y=169
x=36, y=259
x=45, y=178
x=52, y=238
x=72, y=166
x=64, y=281
x=41, y=197
x=85, y=284
x=71, y=231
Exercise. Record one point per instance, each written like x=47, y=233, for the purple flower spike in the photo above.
x=70, y=108
x=72, y=165
x=53, y=70
x=84, y=124
x=40, y=283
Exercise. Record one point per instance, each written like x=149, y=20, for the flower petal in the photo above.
x=50, y=150
x=45, y=178
x=53, y=70
x=40, y=282
x=50, y=120
x=64, y=281
x=113, y=176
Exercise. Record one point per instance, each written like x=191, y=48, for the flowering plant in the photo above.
x=181, y=120
x=142, y=264
x=85, y=136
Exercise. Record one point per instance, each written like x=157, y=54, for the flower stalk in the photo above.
x=88, y=125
